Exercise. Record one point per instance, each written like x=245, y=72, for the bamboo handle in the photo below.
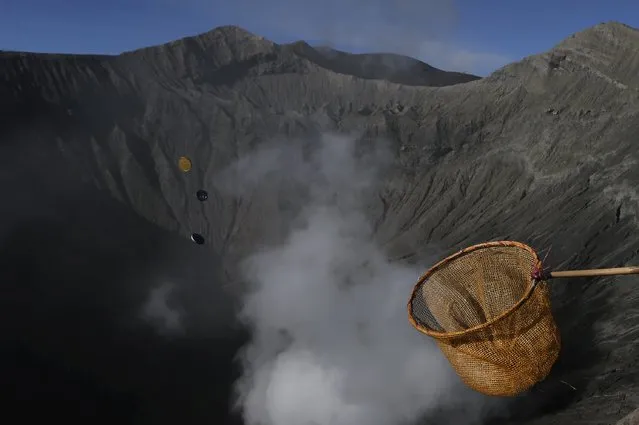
x=595, y=272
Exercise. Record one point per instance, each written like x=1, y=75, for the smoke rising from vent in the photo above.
x=157, y=311
x=331, y=344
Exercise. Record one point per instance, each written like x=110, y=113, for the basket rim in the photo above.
x=449, y=335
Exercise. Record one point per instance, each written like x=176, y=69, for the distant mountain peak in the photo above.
x=608, y=51
x=605, y=31
x=384, y=66
x=233, y=32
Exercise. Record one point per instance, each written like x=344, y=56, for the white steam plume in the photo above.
x=331, y=342
x=157, y=311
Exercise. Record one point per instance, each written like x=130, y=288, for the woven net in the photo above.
x=489, y=317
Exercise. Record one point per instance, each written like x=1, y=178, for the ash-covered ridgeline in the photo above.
x=112, y=314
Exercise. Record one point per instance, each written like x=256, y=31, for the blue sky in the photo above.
x=465, y=35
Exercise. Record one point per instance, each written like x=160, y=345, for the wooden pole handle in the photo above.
x=595, y=272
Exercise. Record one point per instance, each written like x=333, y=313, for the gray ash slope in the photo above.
x=543, y=151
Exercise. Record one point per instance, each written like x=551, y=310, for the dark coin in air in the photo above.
x=202, y=195
x=197, y=238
